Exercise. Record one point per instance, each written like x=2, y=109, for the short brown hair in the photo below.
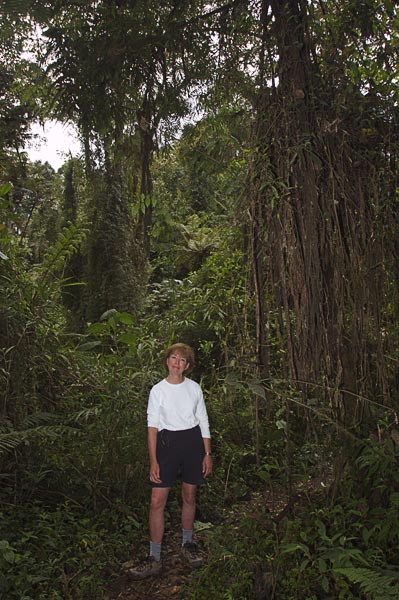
x=185, y=350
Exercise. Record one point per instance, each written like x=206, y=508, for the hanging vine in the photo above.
x=319, y=205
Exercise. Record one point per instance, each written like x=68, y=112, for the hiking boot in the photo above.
x=149, y=567
x=190, y=552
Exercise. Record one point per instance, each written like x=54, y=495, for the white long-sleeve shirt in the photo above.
x=177, y=406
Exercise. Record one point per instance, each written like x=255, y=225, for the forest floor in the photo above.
x=169, y=584
x=176, y=571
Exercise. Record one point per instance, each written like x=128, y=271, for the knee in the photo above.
x=188, y=497
x=157, y=503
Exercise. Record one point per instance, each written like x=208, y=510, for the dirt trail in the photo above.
x=168, y=585
x=176, y=571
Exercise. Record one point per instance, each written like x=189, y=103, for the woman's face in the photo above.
x=176, y=364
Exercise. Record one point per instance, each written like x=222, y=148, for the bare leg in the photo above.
x=188, y=510
x=159, y=497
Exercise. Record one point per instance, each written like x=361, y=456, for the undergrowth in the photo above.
x=62, y=553
x=342, y=549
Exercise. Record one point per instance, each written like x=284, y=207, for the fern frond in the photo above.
x=84, y=414
x=68, y=242
x=11, y=440
x=42, y=418
x=378, y=585
x=5, y=425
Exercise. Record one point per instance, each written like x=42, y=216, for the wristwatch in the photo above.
x=208, y=454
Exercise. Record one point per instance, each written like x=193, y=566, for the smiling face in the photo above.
x=177, y=364
x=179, y=359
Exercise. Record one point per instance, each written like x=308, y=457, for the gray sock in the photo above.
x=155, y=551
x=187, y=536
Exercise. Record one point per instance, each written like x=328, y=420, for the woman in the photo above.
x=179, y=442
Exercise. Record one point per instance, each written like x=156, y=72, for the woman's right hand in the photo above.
x=154, y=472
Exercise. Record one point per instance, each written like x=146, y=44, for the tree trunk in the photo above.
x=315, y=229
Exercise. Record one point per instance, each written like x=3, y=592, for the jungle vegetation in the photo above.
x=237, y=189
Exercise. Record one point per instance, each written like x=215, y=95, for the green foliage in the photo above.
x=205, y=308
x=39, y=426
x=66, y=425
x=345, y=550
x=60, y=552
x=116, y=268
x=38, y=207
x=197, y=185
x=378, y=585
x=68, y=242
x=213, y=156
x=238, y=551
x=343, y=540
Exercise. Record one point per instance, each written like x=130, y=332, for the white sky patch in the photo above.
x=54, y=143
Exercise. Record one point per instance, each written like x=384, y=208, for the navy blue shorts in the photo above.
x=180, y=453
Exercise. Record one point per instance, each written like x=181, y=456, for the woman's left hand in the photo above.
x=207, y=466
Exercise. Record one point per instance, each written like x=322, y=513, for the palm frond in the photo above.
x=84, y=415
x=5, y=425
x=377, y=584
x=11, y=440
x=41, y=418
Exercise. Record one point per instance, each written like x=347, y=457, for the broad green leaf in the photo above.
x=5, y=188
x=257, y=389
x=125, y=318
x=88, y=346
x=294, y=547
x=98, y=328
x=108, y=314
x=128, y=338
